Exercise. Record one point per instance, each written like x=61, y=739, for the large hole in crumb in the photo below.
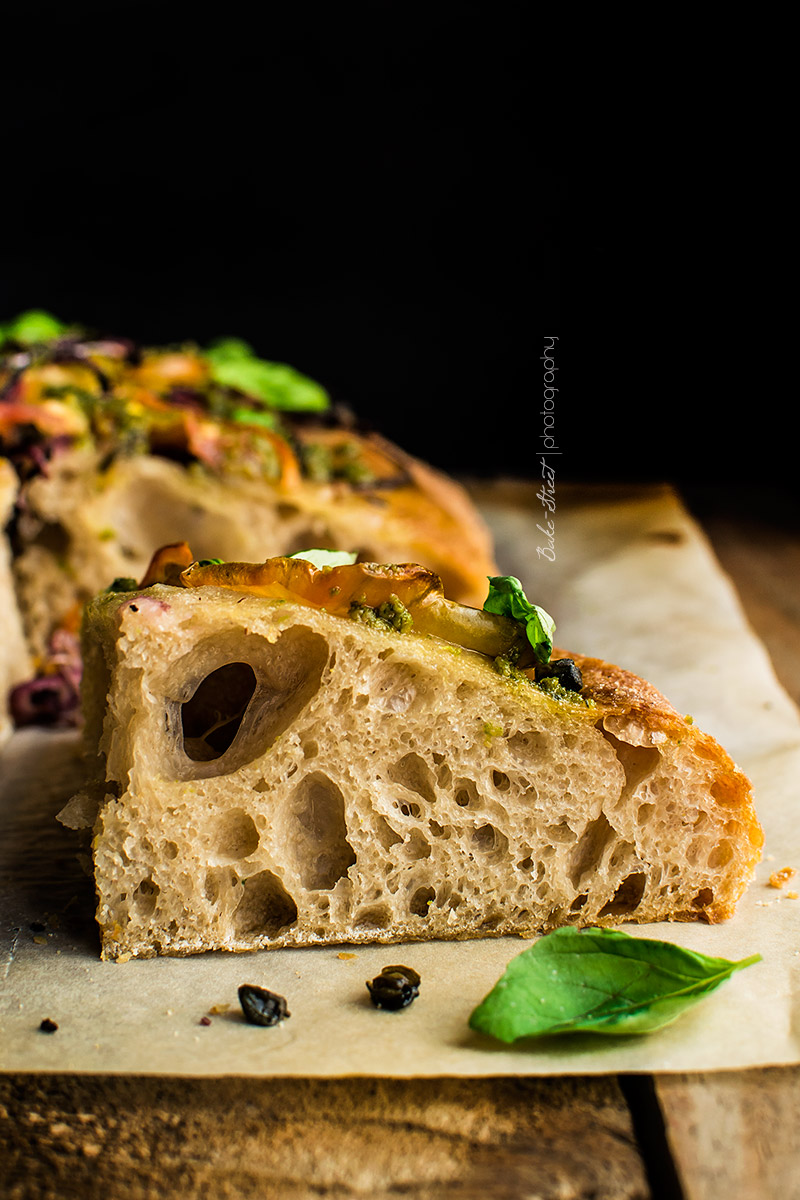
x=627, y=896
x=421, y=901
x=235, y=835
x=413, y=772
x=637, y=761
x=416, y=846
x=490, y=841
x=231, y=696
x=704, y=898
x=322, y=852
x=376, y=916
x=210, y=720
x=265, y=906
x=145, y=898
x=596, y=837
x=386, y=835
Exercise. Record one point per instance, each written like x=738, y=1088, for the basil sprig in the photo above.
x=598, y=981
x=234, y=364
x=507, y=599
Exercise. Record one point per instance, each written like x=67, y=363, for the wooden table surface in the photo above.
x=728, y=1136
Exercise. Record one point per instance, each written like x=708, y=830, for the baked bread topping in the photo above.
x=271, y=766
x=117, y=449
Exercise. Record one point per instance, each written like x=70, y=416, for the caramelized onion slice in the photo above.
x=336, y=588
x=472, y=628
x=331, y=588
x=166, y=565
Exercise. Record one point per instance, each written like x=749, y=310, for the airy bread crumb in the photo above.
x=266, y=774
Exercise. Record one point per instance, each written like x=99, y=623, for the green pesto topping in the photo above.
x=505, y=667
x=392, y=614
x=551, y=687
x=323, y=464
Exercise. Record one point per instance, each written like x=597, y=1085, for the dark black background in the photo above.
x=376, y=194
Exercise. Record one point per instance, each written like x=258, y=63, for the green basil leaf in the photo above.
x=234, y=364
x=598, y=981
x=32, y=327
x=326, y=558
x=507, y=599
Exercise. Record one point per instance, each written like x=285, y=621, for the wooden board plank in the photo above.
x=734, y=1135
x=737, y=1134
x=107, y=1138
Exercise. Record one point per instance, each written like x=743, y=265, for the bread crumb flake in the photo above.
x=778, y=878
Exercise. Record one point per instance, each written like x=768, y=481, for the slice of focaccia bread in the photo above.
x=289, y=756
x=118, y=449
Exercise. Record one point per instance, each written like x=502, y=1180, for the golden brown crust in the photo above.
x=621, y=691
x=621, y=695
x=424, y=508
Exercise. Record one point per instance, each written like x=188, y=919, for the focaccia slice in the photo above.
x=291, y=764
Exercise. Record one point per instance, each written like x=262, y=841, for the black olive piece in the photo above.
x=564, y=670
x=394, y=988
x=260, y=1006
x=48, y=1026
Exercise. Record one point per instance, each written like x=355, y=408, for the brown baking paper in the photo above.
x=633, y=581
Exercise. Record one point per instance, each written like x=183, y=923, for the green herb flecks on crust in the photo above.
x=598, y=981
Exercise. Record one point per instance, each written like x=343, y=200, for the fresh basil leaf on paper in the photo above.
x=507, y=599
x=234, y=364
x=598, y=981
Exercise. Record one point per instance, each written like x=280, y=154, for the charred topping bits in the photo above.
x=48, y=1026
x=563, y=670
x=260, y=1006
x=394, y=988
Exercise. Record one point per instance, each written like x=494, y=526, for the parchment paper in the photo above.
x=633, y=581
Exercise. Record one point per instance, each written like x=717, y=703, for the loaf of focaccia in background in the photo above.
x=15, y=661
x=280, y=755
x=118, y=449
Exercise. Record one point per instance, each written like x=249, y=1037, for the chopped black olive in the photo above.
x=562, y=669
x=48, y=1026
x=260, y=1006
x=394, y=988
